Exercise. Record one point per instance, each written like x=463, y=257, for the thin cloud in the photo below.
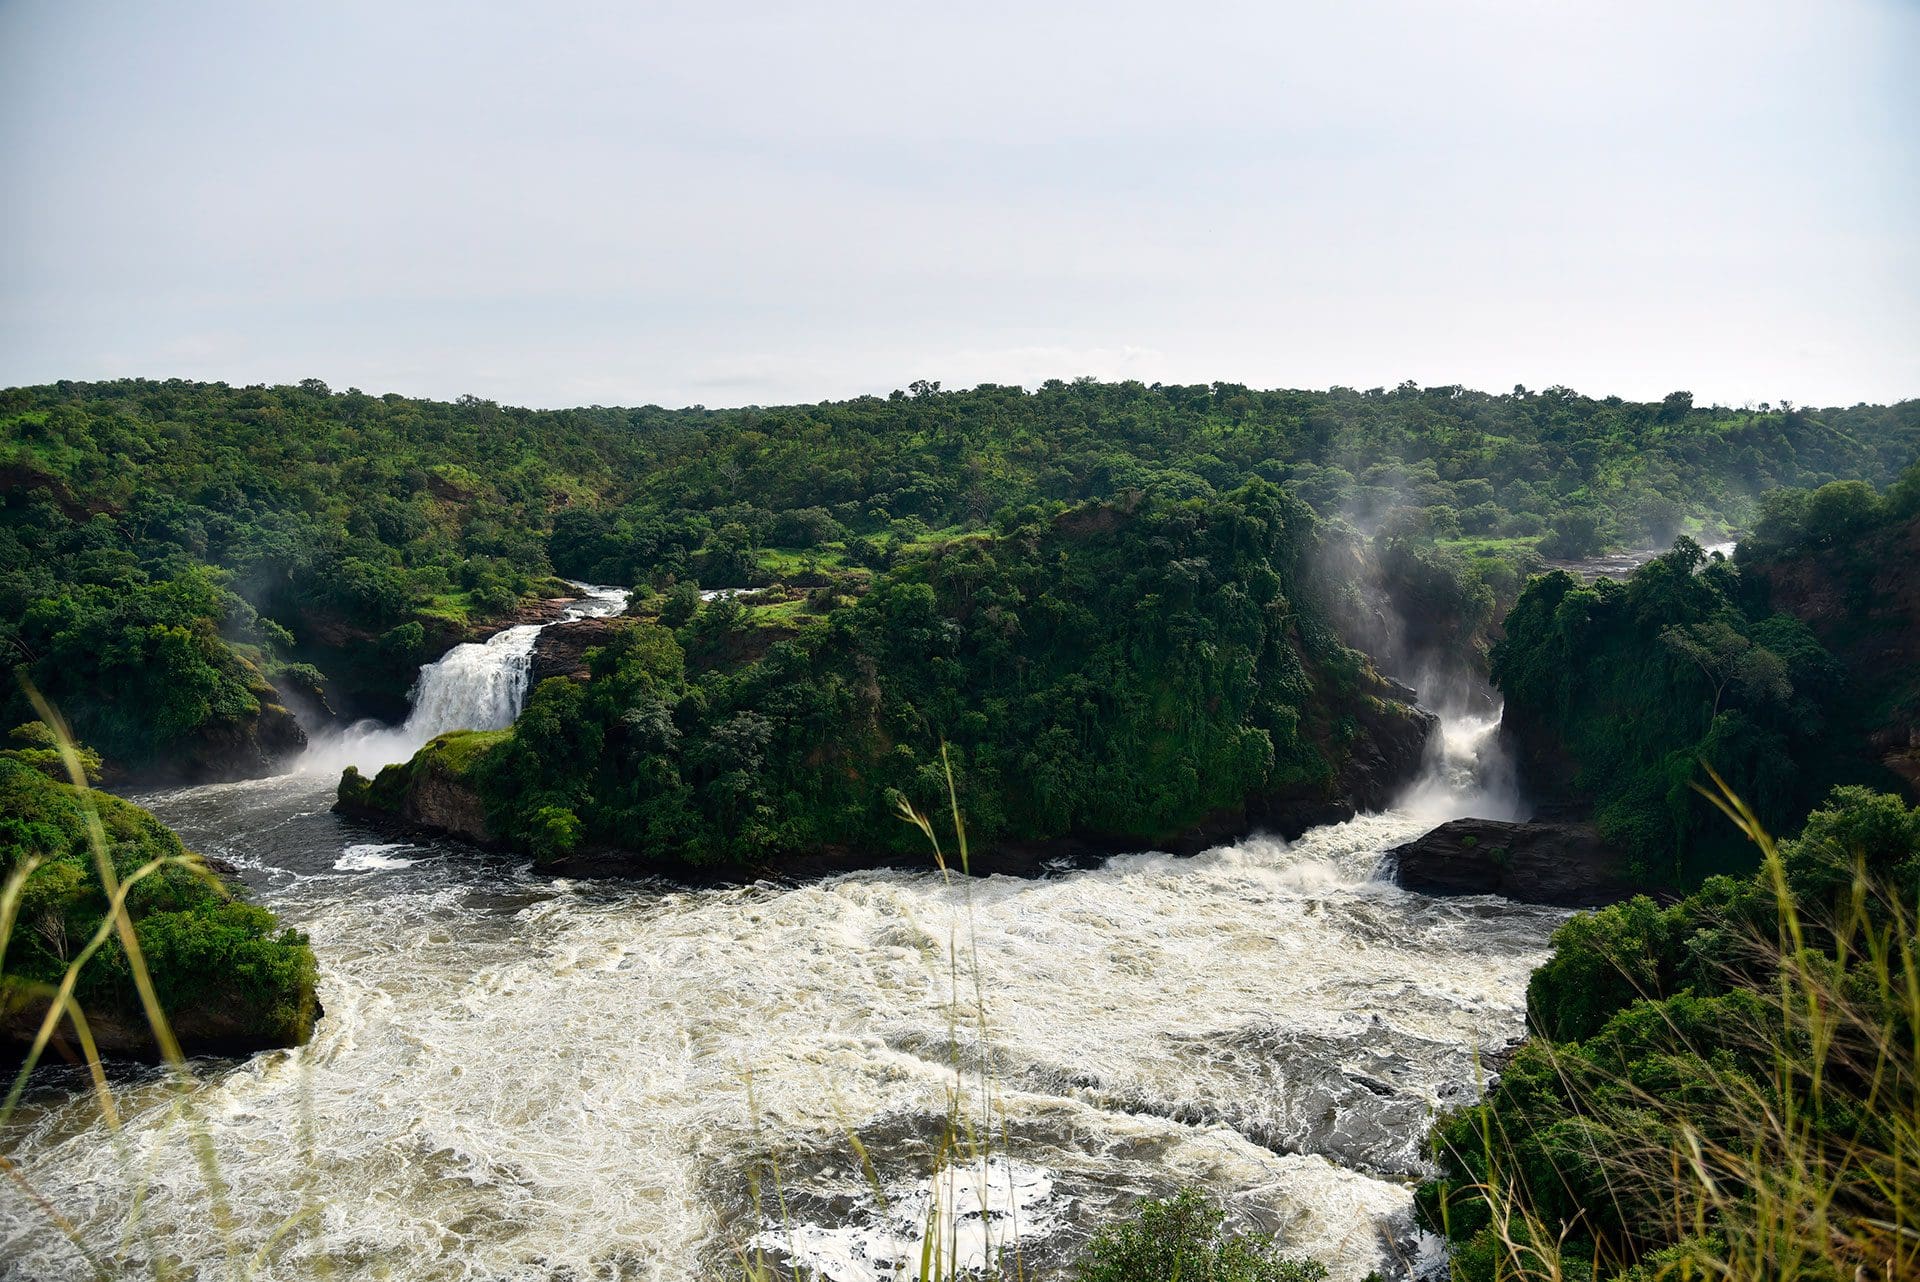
x=677, y=203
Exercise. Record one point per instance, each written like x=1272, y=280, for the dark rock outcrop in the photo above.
x=227, y=748
x=536, y=610
x=447, y=803
x=561, y=650
x=1566, y=865
x=1389, y=752
x=433, y=793
x=259, y=745
x=1863, y=602
x=126, y=1035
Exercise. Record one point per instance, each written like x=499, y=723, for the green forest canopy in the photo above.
x=251, y=542
x=1617, y=691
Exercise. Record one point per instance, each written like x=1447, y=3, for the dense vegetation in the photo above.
x=225, y=973
x=1120, y=670
x=177, y=560
x=1102, y=610
x=1727, y=1081
x=1617, y=691
x=1847, y=562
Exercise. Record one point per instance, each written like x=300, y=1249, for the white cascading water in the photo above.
x=519, y=1076
x=477, y=685
x=1467, y=771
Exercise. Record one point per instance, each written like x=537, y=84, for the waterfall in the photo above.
x=1467, y=771
x=477, y=685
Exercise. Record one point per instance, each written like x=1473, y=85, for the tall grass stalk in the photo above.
x=964, y=1149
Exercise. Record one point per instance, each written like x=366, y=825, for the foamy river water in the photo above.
x=525, y=1077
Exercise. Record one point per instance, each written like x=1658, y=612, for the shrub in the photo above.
x=1183, y=1237
x=1725, y=1088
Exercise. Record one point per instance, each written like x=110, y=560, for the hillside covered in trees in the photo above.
x=1789, y=670
x=1107, y=617
x=1721, y=1087
x=226, y=977
x=184, y=562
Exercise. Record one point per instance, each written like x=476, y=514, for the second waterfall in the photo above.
x=477, y=685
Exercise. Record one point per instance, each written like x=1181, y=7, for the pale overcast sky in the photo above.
x=727, y=203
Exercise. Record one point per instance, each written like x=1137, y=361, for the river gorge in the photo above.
x=524, y=1076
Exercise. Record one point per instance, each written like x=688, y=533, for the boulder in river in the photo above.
x=1566, y=865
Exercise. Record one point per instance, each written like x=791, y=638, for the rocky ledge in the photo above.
x=224, y=748
x=206, y=1029
x=561, y=650
x=1565, y=865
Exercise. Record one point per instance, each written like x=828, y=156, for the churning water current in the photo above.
x=524, y=1077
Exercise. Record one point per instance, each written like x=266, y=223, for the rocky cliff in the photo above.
x=561, y=650
x=435, y=791
x=1863, y=601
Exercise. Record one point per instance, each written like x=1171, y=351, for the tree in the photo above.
x=1714, y=647
x=1839, y=510
x=1675, y=406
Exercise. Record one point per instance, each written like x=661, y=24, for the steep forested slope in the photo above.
x=226, y=976
x=1723, y=1087
x=1846, y=562
x=1617, y=692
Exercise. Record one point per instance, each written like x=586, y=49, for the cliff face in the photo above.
x=1541, y=760
x=224, y=748
x=1863, y=602
x=1383, y=759
x=561, y=650
x=239, y=749
x=435, y=791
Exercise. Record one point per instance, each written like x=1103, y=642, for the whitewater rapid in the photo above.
x=519, y=1076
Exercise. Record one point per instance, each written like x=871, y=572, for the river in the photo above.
x=519, y=1076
